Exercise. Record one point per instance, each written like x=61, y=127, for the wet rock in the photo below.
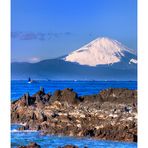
x=24, y=128
x=89, y=133
x=31, y=145
x=134, y=138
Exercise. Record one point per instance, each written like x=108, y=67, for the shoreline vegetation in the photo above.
x=108, y=115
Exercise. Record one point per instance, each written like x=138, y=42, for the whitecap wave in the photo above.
x=24, y=131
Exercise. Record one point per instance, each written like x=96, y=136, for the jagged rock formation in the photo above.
x=109, y=115
x=35, y=145
x=31, y=145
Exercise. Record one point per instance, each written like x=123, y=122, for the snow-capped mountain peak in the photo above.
x=100, y=51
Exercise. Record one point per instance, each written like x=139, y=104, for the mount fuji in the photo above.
x=102, y=51
x=101, y=59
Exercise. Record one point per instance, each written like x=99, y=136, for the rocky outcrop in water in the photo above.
x=35, y=145
x=31, y=145
x=109, y=115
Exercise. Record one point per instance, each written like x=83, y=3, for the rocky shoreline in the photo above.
x=35, y=145
x=108, y=115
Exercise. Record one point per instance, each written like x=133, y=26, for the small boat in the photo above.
x=29, y=80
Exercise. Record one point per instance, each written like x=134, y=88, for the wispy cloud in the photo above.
x=28, y=59
x=37, y=35
x=33, y=59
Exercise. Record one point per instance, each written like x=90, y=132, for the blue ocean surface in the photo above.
x=19, y=87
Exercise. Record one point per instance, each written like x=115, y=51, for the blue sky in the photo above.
x=44, y=29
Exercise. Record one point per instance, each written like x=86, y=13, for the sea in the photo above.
x=19, y=87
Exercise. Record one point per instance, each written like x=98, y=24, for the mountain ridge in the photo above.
x=59, y=68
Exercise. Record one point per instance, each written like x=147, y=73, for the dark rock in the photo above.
x=46, y=98
x=27, y=97
x=38, y=101
x=56, y=96
x=118, y=95
x=57, y=93
x=67, y=95
x=92, y=98
x=42, y=90
x=24, y=128
x=134, y=138
x=33, y=116
x=89, y=133
x=31, y=145
x=55, y=115
x=40, y=93
x=40, y=116
x=35, y=145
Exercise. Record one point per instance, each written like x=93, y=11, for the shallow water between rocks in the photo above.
x=19, y=138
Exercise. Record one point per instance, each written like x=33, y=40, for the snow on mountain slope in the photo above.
x=133, y=61
x=100, y=52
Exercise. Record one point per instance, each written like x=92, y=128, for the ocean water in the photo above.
x=18, y=88
x=23, y=138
